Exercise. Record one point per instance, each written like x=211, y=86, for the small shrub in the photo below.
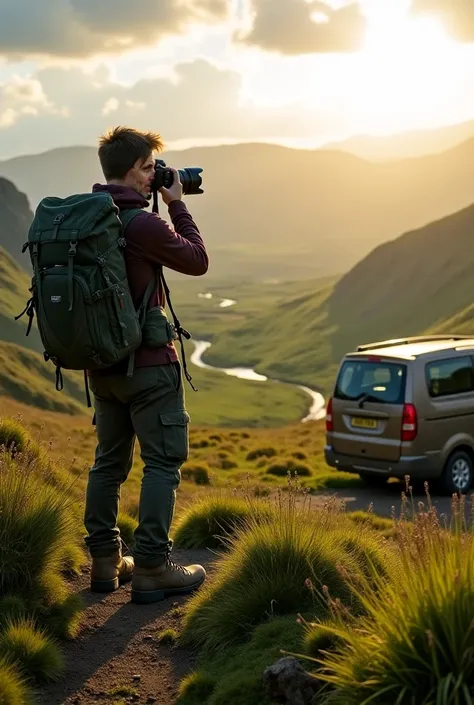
x=299, y=455
x=197, y=472
x=210, y=519
x=14, y=436
x=215, y=437
x=127, y=691
x=283, y=467
x=262, y=462
x=34, y=653
x=227, y=464
x=196, y=688
x=202, y=443
x=261, y=453
x=168, y=636
x=127, y=525
x=13, y=689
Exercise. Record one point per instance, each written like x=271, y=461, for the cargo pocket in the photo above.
x=176, y=434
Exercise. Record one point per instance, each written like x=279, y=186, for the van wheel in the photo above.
x=458, y=473
x=373, y=480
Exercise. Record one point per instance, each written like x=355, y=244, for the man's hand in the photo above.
x=175, y=192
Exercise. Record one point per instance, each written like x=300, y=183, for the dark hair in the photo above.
x=120, y=148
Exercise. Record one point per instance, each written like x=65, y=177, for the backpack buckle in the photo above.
x=72, y=248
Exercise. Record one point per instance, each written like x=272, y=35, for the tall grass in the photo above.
x=35, y=526
x=271, y=562
x=39, y=543
x=415, y=643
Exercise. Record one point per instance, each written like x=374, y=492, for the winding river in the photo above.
x=317, y=409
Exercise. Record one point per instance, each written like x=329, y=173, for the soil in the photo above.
x=118, y=646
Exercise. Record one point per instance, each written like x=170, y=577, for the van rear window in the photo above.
x=380, y=382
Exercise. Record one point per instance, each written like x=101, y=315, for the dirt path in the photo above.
x=118, y=646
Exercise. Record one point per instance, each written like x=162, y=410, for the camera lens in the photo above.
x=191, y=180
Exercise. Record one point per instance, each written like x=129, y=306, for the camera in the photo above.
x=189, y=176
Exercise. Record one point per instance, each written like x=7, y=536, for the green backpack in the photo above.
x=85, y=313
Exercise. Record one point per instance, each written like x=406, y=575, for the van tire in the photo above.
x=373, y=479
x=458, y=462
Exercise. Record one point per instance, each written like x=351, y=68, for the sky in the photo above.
x=295, y=72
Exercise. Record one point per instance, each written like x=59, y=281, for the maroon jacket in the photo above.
x=151, y=242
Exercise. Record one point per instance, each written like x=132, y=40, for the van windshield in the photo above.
x=380, y=382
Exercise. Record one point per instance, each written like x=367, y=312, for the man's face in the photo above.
x=141, y=175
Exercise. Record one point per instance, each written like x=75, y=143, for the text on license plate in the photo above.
x=364, y=423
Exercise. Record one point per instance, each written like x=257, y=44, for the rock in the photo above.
x=286, y=681
x=137, y=677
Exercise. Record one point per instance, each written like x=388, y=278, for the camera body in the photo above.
x=189, y=176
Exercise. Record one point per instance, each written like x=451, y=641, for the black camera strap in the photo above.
x=179, y=328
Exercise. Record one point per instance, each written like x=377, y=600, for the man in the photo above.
x=150, y=404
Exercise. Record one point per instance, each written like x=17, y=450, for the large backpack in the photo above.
x=85, y=313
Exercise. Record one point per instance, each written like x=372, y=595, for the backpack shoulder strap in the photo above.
x=126, y=216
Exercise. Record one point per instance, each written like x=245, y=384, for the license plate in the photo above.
x=364, y=423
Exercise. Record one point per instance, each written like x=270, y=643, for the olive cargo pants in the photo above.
x=148, y=406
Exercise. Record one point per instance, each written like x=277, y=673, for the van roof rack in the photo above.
x=413, y=339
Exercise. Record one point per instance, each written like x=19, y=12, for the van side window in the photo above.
x=450, y=376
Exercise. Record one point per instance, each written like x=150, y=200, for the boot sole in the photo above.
x=147, y=597
x=109, y=585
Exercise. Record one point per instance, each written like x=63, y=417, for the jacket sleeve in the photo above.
x=181, y=248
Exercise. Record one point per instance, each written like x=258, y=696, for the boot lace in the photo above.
x=175, y=566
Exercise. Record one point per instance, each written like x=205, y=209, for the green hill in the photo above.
x=421, y=282
x=14, y=284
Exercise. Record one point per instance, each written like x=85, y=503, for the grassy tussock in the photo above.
x=32, y=651
x=13, y=688
x=271, y=562
x=39, y=546
x=236, y=673
x=210, y=520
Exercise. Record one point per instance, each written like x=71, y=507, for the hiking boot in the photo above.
x=154, y=584
x=108, y=572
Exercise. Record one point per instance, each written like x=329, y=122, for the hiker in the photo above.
x=150, y=404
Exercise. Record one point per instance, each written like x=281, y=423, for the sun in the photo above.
x=405, y=65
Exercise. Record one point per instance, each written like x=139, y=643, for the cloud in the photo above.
x=77, y=106
x=24, y=97
x=80, y=28
x=305, y=26
x=457, y=16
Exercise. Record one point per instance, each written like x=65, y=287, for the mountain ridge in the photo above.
x=272, y=210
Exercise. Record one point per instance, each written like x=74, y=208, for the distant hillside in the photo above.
x=26, y=377
x=15, y=218
x=269, y=211
x=14, y=285
x=404, y=145
x=421, y=282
